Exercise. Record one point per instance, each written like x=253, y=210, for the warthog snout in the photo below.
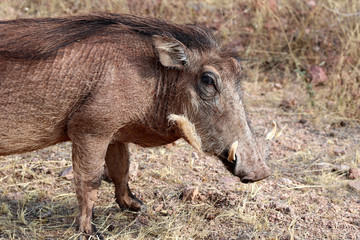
x=258, y=175
x=248, y=170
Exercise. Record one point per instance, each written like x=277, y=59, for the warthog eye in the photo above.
x=207, y=87
x=207, y=79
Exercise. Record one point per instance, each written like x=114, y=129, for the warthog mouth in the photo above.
x=223, y=156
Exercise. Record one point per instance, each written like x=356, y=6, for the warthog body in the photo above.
x=103, y=81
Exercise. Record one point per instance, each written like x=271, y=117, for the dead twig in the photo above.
x=337, y=12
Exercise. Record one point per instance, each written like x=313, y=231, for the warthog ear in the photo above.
x=187, y=129
x=172, y=53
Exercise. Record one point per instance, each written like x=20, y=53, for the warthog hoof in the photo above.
x=132, y=204
x=94, y=235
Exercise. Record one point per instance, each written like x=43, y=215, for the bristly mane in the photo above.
x=40, y=38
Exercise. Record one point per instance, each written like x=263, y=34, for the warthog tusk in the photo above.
x=270, y=135
x=187, y=129
x=232, y=151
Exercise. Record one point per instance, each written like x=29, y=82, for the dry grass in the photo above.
x=304, y=199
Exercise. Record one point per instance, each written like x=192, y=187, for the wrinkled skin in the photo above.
x=104, y=81
x=218, y=93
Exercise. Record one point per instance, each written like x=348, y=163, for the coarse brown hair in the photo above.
x=40, y=38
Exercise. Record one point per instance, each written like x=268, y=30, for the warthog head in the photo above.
x=212, y=116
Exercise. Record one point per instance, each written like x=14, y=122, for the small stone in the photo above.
x=170, y=145
x=210, y=216
x=165, y=212
x=343, y=123
x=321, y=200
x=315, y=48
x=159, y=207
x=354, y=173
x=341, y=168
x=302, y=121
x=190, y=193
x=286, y=181
x=311, y=3
x=355, y=185
x=278, y=86
x=143, y=220
x=284, y=196
x=15, y=196
x=283, y=208
x=339, y=151
x=162, y=151
x=287, y=104
x=67, y=173
x=290, y=210
x=318, y=76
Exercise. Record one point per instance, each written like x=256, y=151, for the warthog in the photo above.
x=104, y=81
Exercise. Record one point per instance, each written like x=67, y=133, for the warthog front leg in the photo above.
x=117, y=163
x=88, y=166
